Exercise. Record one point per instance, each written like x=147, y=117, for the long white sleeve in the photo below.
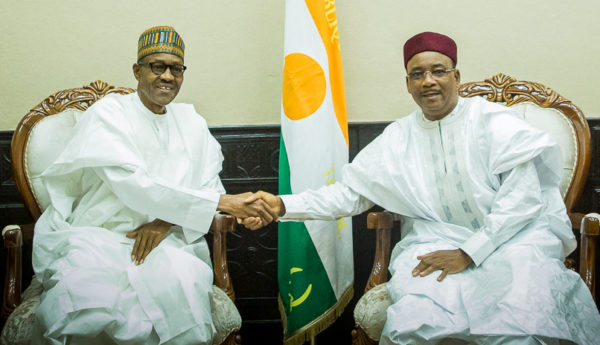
x=192, y=209
x=326, y=203
x=517, y=203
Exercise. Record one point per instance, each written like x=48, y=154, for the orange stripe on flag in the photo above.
x=325, y=18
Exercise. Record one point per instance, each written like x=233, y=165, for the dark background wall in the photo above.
x=251, y=163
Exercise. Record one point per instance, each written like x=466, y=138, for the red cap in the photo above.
x=429, y=41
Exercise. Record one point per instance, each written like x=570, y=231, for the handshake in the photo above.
x=254, y=210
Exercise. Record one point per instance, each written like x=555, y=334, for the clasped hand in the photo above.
x=448, y=261
x=272, y=205
x=253, y=210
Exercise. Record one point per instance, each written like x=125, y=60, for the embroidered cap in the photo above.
x=429, y=41
x=160, y=39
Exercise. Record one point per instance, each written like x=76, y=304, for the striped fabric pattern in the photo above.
x=160, y=39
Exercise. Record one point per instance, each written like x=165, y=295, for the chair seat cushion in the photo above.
x=370, y=312
x=19, y=325
x=225, y=315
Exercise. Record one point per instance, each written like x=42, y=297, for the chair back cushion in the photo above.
x=46, y=141
x=42, y=134
x=560, y=129
x=545, y=109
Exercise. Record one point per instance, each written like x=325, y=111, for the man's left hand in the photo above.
x=147, y=237
x=448, y=261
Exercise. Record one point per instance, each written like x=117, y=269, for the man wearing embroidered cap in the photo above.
x=115, y=268
x=478, y=189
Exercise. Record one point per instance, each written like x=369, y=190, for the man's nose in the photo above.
x=428, y=78
x=167, y=75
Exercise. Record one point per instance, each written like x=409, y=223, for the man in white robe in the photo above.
x=134, y=162
x=478, y=191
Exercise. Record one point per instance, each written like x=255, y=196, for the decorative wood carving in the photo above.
x=382, y=222
x=505, y=89
x=221, y=225
x=78, y=98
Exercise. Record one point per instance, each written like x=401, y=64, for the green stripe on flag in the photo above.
x=304, y=287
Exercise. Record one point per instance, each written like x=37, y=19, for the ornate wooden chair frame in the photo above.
x=505, y=89
x=15, y=235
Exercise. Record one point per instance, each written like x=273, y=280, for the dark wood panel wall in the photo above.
x=251, y=163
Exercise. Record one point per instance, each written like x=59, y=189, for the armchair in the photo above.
x=37, y=141
x=544, y=109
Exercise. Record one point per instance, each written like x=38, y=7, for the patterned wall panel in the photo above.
x=590, y=200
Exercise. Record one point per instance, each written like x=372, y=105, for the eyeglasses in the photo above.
x=159, y=68
x=438, y=73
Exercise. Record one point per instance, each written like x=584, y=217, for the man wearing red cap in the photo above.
x=121, y=254
x=478, y=189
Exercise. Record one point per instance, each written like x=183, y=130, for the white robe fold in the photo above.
x=482, y=180
x=123, y=167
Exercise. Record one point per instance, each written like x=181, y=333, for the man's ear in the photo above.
x=407, y=84
x=457, y=76
x=136, y=71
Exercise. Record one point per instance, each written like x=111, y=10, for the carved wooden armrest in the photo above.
x=221, y=225
x=590, y=235
x=382, y=222
x=576, y=219
x=13, y=243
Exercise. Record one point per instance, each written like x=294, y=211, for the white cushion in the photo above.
x=19, y=325
x=560, y=129
x=225, y=315
x=46, y=141
x=370, y=312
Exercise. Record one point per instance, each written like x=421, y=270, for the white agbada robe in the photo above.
x=482, y=180
x=124, y=167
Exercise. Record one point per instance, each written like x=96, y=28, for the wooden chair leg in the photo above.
x=359, y=337
x=233, y=339
x=221, y=225
x=382, y=222
x=13, y=242
x=590, y=235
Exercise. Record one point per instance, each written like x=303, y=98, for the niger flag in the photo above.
x=315, y=265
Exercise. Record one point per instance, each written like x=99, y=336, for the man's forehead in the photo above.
x=428, y=59
x=164, y=57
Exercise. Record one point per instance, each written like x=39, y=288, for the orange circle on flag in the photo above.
x=304, y=86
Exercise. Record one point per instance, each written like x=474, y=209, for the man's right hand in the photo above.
x=274, y=202
x=239, y=206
